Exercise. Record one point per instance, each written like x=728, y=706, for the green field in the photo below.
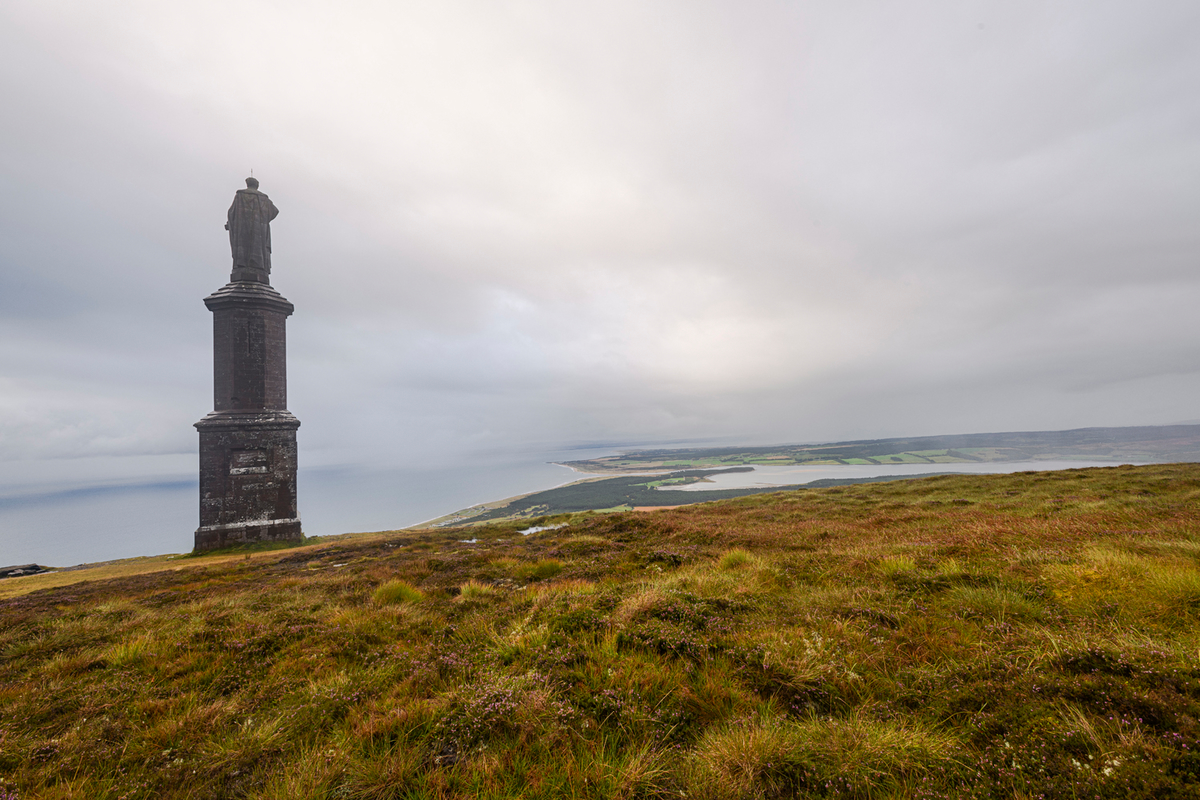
x=1026, y=635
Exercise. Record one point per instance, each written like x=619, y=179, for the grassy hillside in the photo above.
x=980, y=636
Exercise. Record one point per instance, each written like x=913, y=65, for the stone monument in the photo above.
x=248, y=442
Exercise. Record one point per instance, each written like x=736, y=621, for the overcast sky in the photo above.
x=512, y=225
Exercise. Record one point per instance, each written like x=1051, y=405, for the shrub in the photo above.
x=398, y=591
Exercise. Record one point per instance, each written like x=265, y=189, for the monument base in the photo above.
x=215, y=537
x=247, y=479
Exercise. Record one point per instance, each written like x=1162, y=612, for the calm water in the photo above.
x=62, y=527
x=73, y=524
x=783, y=476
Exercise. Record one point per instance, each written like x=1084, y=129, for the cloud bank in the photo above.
x=511, y=225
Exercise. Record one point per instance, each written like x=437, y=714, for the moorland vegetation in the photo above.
x=1025, y=635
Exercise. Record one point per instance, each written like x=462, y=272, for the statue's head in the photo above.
x=252, y=183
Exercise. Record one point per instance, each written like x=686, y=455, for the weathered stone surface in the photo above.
x=247, y=479
x=249, y=226
x=248, y=442
x=21, y=569
x=249, y=347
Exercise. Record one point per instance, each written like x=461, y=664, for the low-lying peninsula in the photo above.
x=1143, y=444
x=625, y=493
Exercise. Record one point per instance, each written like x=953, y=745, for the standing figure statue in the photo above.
x=249, y=229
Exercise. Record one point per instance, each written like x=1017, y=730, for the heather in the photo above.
x=1026, y=635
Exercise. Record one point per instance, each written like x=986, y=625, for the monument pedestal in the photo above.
x=247, y=479
x=248, y=443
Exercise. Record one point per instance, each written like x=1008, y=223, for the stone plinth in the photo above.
x=247, y=479
x=248, y=443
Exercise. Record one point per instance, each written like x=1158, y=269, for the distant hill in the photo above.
x=1158, y=444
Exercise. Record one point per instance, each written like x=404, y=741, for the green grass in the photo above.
x=1004, y=636
x=736, y=558
x=474, y=591
x=540, y=570
x=398, y=591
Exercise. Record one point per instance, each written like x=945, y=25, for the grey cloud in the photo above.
x=506, y=223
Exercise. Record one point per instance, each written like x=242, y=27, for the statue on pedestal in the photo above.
x=249, y=226
x=248, y=442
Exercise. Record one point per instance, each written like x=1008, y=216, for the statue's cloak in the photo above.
x=250, y=229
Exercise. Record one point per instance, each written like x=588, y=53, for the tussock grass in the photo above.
x=856, y=756
x=891, y=566
x=398, y=591
x=568, y=587
x=951, y=568
x=963, y=636
x=736, y=558
x=540, y=570
x=128, y=653
x=474, y=591
x=997, y=603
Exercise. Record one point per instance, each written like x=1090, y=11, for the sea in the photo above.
x=56, y=518
x=765, y=476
